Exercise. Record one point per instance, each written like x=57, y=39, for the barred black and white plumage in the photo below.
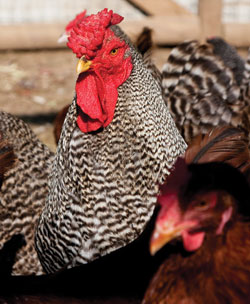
x=103, y=185
x=24, y=189
x=229, y=56
x=245, y=85
x=201, y=90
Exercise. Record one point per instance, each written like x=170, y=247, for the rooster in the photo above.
x=117, y=144
x=202, y=92
x=207, y=207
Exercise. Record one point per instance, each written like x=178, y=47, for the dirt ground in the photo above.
x=35, y=85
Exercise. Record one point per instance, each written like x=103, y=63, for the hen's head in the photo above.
x=199, y=199
x=105, y=63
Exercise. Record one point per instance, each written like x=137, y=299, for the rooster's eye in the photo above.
x=113, y=52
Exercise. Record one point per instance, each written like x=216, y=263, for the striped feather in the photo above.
x=201, y=91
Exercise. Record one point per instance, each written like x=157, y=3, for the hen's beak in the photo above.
x=160, y=238
x=83, y=65
x=171, y=230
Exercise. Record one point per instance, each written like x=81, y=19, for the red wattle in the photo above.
x=97, y=96
x=96, y=107
x=89, y=92
x=192, y=242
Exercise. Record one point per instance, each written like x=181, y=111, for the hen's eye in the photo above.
x=201, y=204
x=114, y=51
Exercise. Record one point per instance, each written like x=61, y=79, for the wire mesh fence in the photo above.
x=237, y=11
x=58, y=11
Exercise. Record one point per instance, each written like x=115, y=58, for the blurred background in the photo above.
x=38, y=75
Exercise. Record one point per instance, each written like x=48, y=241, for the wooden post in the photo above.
x=166, y=29
x=235, y=34
x=160, y=7
x=210, y=13
x=26, y=36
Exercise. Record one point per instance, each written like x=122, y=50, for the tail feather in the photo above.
x=222, y=144
x=58, y=123
x=144, y=43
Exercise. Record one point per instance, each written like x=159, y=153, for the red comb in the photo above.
x=87, y=35
x=76, y=20
x=176, y=180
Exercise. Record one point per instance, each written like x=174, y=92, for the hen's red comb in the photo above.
x=87, y=35
x=177, y=179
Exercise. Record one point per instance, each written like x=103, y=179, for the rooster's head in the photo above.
x=104, y=64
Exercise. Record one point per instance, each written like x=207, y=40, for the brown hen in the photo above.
x=206, y=206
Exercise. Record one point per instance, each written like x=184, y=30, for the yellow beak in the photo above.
x=83, y=65
x=160, y=238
